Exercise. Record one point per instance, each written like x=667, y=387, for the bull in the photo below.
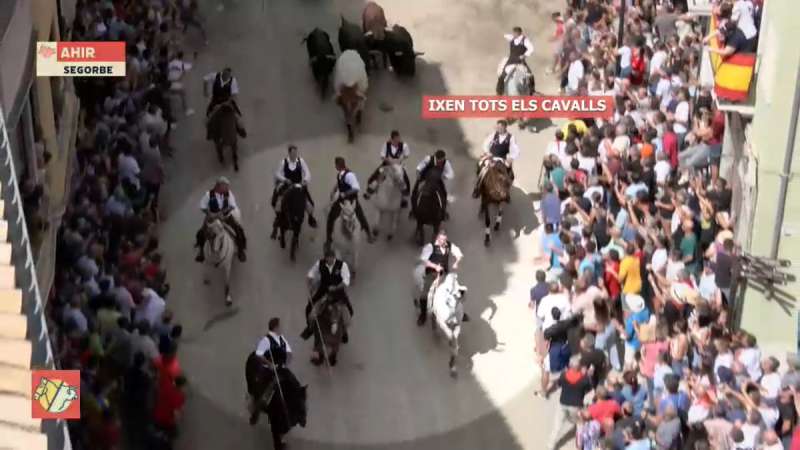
x=352, y=38
x=350, y=84
x=374, y=25
x=321, y=56
x=400, y=48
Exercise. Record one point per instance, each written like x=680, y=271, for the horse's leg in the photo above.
x=393, y=216
x=220, y=155
x=499, y=218
x=420, y=233
x=228, y=298
x=349, y=133
x=487, y=222
x=295, y=243
x=235, y=148
x=453, y=354
x=282, y=237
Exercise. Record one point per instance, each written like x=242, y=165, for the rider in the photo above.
x=436, y=161
x=293, y=170
x=346, y=188
x=275, y=353
x=436, y=259
x=394, y=152
x=224, y=87
x=330, y=276
x=500, y=144
x=221, y=200
x=520, y=47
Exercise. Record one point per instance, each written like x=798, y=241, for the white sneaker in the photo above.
x=189, y=112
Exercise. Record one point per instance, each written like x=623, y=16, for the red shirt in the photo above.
x=168, y=370
x=604, y=410
x=717, y=128
x=612, y=284
x=169, y=402
x=670, y=144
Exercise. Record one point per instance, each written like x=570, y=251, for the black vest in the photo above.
x=341, y=184
x=516, y=51
x=295, y=176
x=213, y=205
x=329, y=278
x=394, y=154
x=277, y=351
x=500, y=149
x=220, y=92
x=440, y=257
x=431, y=164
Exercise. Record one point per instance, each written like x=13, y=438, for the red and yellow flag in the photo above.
x=732, y=74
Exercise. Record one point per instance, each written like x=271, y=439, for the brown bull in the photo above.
x=373, y=21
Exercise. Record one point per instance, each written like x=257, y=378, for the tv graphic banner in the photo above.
x=522, y=107
x=80, y=59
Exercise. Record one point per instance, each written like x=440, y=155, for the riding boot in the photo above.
x=362, y=219
x=501, y=81
x=274, y=228
x=200, y=240
x=423, y=310
x=307, y=331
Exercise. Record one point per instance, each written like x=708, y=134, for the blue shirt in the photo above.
x=538, y=292
x=551, y=208
x=641, y=444
x=636, y=399
x=680, y=401
x=587, y=263
x=551, y=242
x=640, y=317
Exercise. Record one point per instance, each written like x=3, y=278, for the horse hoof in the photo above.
x=486, y=241
x=453, y=372
x=283, y=243
x=228, y=301
x=389, y=237
x=316, y=361
x=497, y=227
x=274, y=235
x=206, y=281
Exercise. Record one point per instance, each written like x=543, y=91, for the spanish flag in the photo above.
x=732, y=74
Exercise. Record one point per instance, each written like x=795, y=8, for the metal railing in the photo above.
x=22, y=257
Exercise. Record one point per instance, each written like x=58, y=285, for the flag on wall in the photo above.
x=732, y=74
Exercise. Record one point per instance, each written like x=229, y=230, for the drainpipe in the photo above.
x=787, y=167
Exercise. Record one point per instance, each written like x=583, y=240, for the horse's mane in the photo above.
x=293, y=203
x=497, y=182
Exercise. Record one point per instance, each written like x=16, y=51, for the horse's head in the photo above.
x=350, y=100
x=214, y=227
x=348, y=215
x=518, y=80
x=294, y=204
x=392, y=172
x=497, y=182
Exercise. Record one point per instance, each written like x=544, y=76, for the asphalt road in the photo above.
x=391, y=389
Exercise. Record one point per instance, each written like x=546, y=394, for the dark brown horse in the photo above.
x=495, y=190
x=224, y=129
x=430, y=205
x=352, y=103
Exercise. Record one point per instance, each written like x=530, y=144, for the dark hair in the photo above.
x=273, y=323
x=339, y=161
x=503, y=122
x=440, y=154
x=541, y=276
x=394, y=134
x=291, y=147
x=517, y=29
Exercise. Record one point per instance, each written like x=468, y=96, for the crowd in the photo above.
x=634, y=309
x=108, y=305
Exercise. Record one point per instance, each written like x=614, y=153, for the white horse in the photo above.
x=518, y=80
x=219, y=250
x=446, y=306
x=347, y=235
x=389, y=197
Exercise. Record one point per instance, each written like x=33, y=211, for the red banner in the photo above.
x=91, y=51
x=522, y=107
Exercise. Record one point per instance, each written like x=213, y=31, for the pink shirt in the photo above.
x=650, y=354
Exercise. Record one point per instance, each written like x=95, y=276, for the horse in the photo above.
x=495, y=190
x=223, y=127
x=329, y=326
x=219, y=250
x=429, y=209
x=519, y=81
x=389, y=197
x=284, y=401
x=350, y=84
x=446, y=308
x=347, y=236
x=290, y=217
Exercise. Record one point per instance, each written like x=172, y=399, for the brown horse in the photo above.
x=352, y=103
x=495, y=190
x=224, y=129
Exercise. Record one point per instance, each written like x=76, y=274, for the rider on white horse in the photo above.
x=219, y=201
x=394, y=152
x=293, y=170
x=436, y=260
x=346, y=188
x=520, y=47
x=500, y=144
x=436, y=161
x=329, y=276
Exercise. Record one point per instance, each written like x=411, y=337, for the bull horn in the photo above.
x=368, y=33
x=330, y=56
x=313, y=59
x=419, y=53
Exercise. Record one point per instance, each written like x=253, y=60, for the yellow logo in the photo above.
x=54, y=396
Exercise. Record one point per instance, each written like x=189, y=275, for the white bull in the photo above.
x=350, y=84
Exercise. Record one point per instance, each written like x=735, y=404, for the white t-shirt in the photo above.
x=743, y=15
x=771, y=383
x=681, y=115
x=662, y=170
x=544, y=312
x=625, y=57
x=659, y=259
x=751, y=360
x=657, y=61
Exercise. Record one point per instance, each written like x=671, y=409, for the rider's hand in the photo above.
x=455, y=265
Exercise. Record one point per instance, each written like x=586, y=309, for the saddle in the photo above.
x=318, y=307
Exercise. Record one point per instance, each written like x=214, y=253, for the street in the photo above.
x=391, y=389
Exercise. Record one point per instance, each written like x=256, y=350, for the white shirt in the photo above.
x=575, y=75
x=771, y=383
x=403, y=155
x=151, y=308
x=659, y=259
x=513, y=148
x=743, y=15
x=558, y=148
x=264, y=344
x=447, y=172
x=234, y=84
x=314, y=275
x=521, y=39
x=547, y=303
x=657, y=61
x=681, y=117
x=220, y=200
x=349, y=178
x=625, y=56
x=128, y=168
x=751, y=360
x=662, y=170
x=292, y=166
x=427, y=251
x=176, y=68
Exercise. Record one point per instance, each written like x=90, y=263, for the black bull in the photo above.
x=399, y=46
x=352, y=38
x=321, y=56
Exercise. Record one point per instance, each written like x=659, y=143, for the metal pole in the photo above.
x=787, y=167
x=623, y=7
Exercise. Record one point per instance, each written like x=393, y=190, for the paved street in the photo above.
x=391, y=389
